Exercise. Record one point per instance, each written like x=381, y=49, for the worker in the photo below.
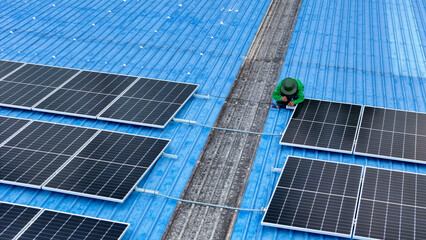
x=289, y=92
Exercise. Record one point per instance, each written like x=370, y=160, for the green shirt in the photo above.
x=300, y=96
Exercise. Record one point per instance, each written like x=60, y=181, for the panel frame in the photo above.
x=322, y=148
x=313, y=230
x=71, y=214
x=382, y=156
x=34, y=108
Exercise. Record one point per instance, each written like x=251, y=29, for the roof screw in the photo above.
x=180, y=5
x=93, y=24
x=74, y=39
x=201, y=54
x=141, y=46
x=11, y=32
x=106, y=62
x=19, y=51
x=124, y=65
x=188, y=73
x=53, y=56
x=53, y=5
x=236, y=10
x=33, y=18
x=221, y=22
x=211, y=37
x=155, y=30
x=109, y=11
x=168, y=17
x=88, y=60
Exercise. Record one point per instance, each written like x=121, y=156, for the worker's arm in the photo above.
x=300, y=94
x=277, y=93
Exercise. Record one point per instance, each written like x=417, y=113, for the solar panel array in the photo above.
x=323, y=125
x=315, y=196
x=393, y=134
x=29, y=223
x=118, y=98
x=392, y=205
x=75, y=160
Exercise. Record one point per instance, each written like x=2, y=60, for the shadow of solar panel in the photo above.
x=315, y=196
x=13, y=218
x=392, y=134
x=392, y=205
x=60, y=225
x=323, y=125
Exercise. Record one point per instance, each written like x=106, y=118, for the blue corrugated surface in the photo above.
x=369, y=52
x=202, y=42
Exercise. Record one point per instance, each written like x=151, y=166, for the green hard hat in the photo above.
x=288, y=86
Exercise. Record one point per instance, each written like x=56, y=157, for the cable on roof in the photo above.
x=225, y=129
x=194, y=202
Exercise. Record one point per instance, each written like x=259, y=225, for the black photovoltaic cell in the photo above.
x=41, y=75
x=323, y=125
x=392, y=205
x=112, y=97
x=108, y=181
x=57, y=225
x=150, y=101
x=315, y=196
x=23, y=95
x=76, y=102
x=394, y=134
x=7, y=67
x=52, y=138
x=100, y=83
x=9, y=126
x=28, y=167
x=109, y=166
x=34, y=154
x=13, y=218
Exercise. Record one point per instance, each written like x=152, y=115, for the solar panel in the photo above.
x=315, y=196
x=392, y=134
x=13, y=218
x=150, y=102
x=109, y=167
x=58, y=225
x=111, y=97
x=29, y=223
x=39, y=150
x=75, y=160
x=392, y=205
x=323, y=125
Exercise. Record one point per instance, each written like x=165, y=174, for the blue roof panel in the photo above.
x=202, y=42
x=369, y=52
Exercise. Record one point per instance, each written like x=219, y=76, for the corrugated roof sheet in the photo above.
x=369, y=52
x=202, y=42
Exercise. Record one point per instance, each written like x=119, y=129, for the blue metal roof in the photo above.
x=202, y=42
x=370, y=52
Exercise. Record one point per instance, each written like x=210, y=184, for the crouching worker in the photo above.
x=289, y=92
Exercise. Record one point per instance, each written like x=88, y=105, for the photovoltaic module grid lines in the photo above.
x=323, y=125
x=76, y=160
x=119, y=98
x=316, y=196
x=392, y=134
x=57, y=225
x=109, y=167
x=24, y=222
x=13, y=218
x=392, y=205
x=38, y=150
